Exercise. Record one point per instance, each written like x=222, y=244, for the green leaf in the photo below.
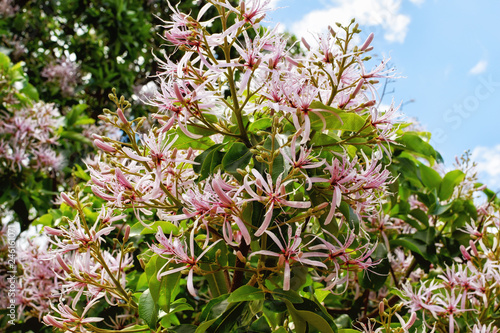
x=246, y=293
x=148, y=309
x=321, y=139
x=237, y=157
x=80, y=173
x=310, y=314
x=412, y=142
x=274, y=306
x=420, y=215
x=45, y=219
x=279, y=161
x=184, y=328
x=208, y=161
x=259, y=125
x=202, y=328
x=30, y=91
x=375, y=277
x=288, y=295
x=74, y=136
x=450, y=181
x=261, y=325
x=226, y=321
x=429, y=177
x=335, y=119
x=167, y=227
x=184, y=142
x=214, y=308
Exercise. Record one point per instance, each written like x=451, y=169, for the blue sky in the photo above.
x=446, y=53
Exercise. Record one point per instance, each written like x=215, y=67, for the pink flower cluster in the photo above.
x=27, y=138
x=65, y=72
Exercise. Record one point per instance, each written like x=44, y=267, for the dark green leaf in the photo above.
x=226, y=321
x=429, y=177
x=259, y=125
x=412, y=142
x=288, y=295
x=214, y=308
x=148, y=309
x=450, y=181
x=208, y=161
x=246, y=293
x=237, y=157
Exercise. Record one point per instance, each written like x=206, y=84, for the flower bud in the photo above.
x=122, y=117
x=306, y=45
x=68, y=200
x=63, y=264
x=367, y=42
x=465, y=253
x=127, y=234
x=104, y=146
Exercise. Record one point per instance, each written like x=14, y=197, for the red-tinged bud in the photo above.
x=242, y=7
x=411, y=321
x=102, y=117
x=370, y=103
x=368, y=49
x=241, y=257
x=68, y=200
x=96, y=136
x=178, y=93
x=52, y=231
x=367, y=42
x=381, y=307
x=127, y=234
x=332, y=32
x=293, y=62
x=330, y=57
x=122, y=179
x=49, y=320
x=322, y=205
x=122, y=117
x=473, y=248
x=306, y=45
x=63, y=264
x=358, y=88
x=104, y=146
x=465, y=253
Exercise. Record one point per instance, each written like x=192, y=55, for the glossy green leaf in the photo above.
x=148, y=309
x=259, y=125
x=208, y=161
x=45, y=219
x=214, y=308
x=429, y=177
x=227, y=320
x=310, y=314
x=412, y=142
x=288, y=295
x=184, y=328
x=450, y=181
x=246, y=293
x=185, y=142
x=167, y=228
x=237, y=157
x=335, y=119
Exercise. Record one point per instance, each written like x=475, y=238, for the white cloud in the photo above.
x=488, y=164
x=374, y=13
x=479, y=68
x=418, y=2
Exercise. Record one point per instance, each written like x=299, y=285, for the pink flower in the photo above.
x=290, y=252
x=179, y=253
x=274, y=195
